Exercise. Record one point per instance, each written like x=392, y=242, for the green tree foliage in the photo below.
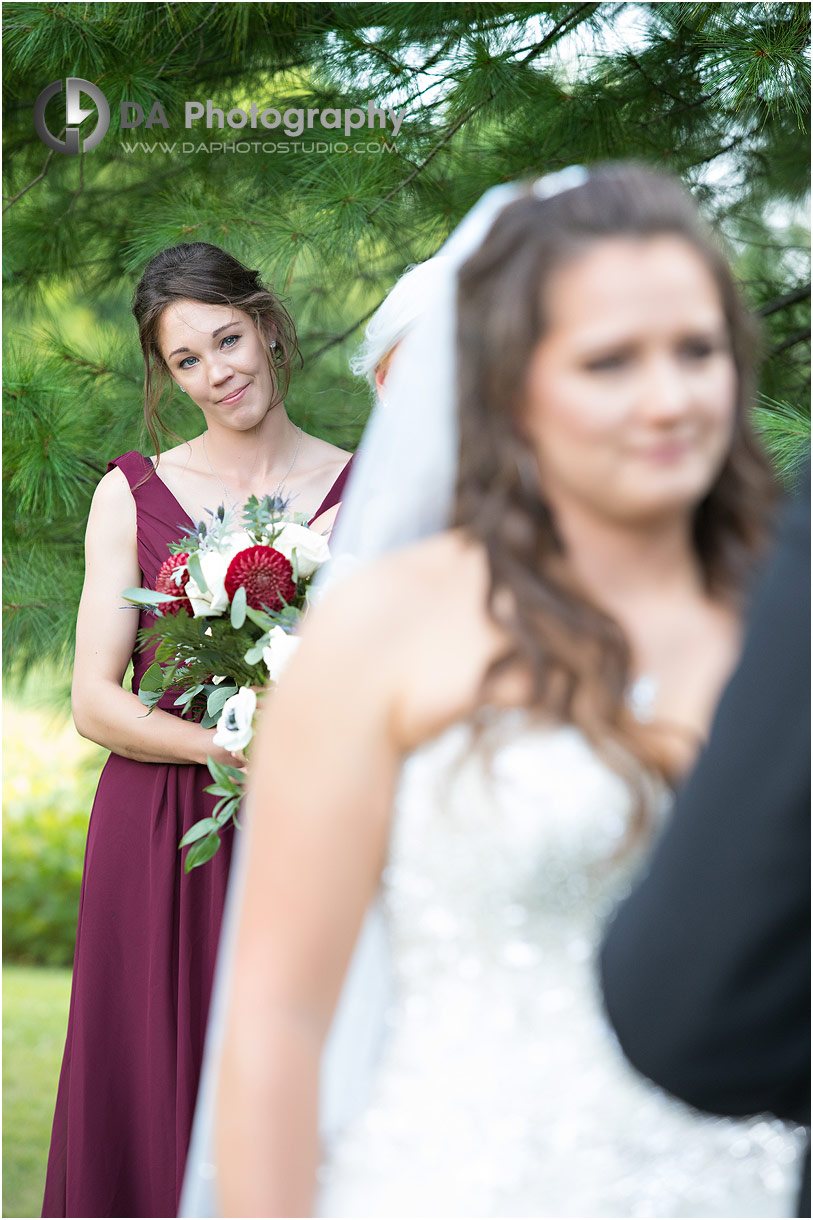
x=719, y=93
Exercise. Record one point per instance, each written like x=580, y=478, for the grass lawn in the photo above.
x=35, y=1018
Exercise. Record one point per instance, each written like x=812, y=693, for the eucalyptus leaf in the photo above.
x=225, y=797
x=195, y=570
x=259, y=618
x=223, y=774
x=204, y=827
x=228, y=812
x=148, y=597
x=238, y=608
x=153, y=679
x=187, y=696
x=254, y=655
x=214, y=704
x=201, y=851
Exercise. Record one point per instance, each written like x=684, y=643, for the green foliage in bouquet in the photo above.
x=211, y=646
x=203, y=840
x=190, y=652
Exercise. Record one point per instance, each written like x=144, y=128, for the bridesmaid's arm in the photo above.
x=323, y=772
x=106, y=630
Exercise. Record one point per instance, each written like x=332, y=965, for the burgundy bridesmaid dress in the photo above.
x=145, y=956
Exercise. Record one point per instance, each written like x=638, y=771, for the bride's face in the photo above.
x=630, y=395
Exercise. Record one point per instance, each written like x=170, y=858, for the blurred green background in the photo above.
x=719, y=94
x=49, y=778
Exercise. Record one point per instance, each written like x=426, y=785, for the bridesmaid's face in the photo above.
x=215, y=353
x=631, y=393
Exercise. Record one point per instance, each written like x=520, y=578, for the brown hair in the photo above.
x=576, y=655
x=198, y=271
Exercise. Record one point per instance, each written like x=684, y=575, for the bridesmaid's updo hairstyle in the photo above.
x=198, y=271
x=576, y=655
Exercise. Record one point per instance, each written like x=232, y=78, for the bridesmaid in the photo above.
x=147, y=934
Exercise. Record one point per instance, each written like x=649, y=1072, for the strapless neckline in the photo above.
x=501, y=1090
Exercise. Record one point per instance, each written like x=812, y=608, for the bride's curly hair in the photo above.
x=577, y=657
x=199, y=271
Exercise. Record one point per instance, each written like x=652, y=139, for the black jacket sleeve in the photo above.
x=706, y=967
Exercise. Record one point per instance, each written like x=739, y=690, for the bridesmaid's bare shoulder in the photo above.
x=322, y=458
x=177, y=459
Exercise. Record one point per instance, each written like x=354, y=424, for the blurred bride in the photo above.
x=482, y=727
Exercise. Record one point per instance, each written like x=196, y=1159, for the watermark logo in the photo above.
x=75, y=112
x=293, y=123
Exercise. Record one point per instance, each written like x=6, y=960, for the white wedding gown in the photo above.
x=500, y=1090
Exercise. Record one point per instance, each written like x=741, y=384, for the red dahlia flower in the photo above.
x=266, y=576
x=167, y=582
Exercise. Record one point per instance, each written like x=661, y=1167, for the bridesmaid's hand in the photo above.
x=224, y=757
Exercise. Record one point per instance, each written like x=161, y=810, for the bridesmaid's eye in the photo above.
x=230, y=340
x=184, y=364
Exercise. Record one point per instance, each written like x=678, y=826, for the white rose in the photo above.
x=234, y=728
x=281, y=647
x=214, y=565
x=311, y=548
x=237, y=541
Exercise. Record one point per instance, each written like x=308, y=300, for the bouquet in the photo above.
x=226, y=602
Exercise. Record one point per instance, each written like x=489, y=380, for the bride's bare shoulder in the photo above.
x=412, y=630
x=429, y=587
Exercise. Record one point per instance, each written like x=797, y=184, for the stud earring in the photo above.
x=180, y=387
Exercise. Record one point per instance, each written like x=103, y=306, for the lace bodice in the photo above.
x=501, y=1090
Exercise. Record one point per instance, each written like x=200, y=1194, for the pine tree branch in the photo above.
x=798, y=336
x=652, y=84
x=34, y=181
x=14, y=606
x=793, y=297
x=719, y=152
x=337, y=339
x=563, y=27
x=81, y=185
x=396, y=190
x=558, y=30
x=95, y=367
x=188, y=34
x=50, y=156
